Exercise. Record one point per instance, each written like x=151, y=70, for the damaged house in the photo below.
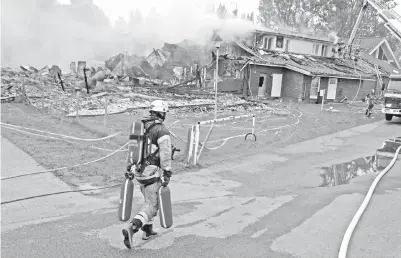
x=274, y=64
x=378, y=48
x=174, y=62
x=125, y=65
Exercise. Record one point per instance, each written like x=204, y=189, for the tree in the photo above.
x=251, y=17
x=121, y=24
x=235, y=12
x=221, y=11
x=135, y=18
x=321, y=16
x=288, y=13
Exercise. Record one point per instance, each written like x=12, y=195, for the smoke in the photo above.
x=43, y=32
x=183, y=21
x=333, y=36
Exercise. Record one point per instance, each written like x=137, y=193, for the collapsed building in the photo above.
x=274, y=64
x=176, y=62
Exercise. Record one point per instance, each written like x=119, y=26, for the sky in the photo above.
x=116, y=8
x=398, y=8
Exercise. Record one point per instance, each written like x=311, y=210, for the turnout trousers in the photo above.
x=150, y=207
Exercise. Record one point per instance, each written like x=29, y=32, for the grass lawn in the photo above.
x=52, y=153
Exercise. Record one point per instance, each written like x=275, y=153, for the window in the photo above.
x=261, y=81
x=267, y=42
x=323, y=50
x=280, y=42
x=380, y=56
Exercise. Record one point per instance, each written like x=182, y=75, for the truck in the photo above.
x=392, y=98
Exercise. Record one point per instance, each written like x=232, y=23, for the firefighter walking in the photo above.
x=155, y=171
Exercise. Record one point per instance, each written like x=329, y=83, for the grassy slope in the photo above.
x=54, y=153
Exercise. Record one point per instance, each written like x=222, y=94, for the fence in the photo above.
x=193, y=141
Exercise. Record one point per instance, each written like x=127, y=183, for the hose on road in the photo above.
x=62, y=192
x=347, y=236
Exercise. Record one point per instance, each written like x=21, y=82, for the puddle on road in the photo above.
x=339, y=174
x=343, y=173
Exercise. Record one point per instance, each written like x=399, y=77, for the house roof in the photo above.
x=368, y=43
x=384, y=65
x=314, y=65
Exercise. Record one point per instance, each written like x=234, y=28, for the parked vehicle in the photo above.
x=392, y=98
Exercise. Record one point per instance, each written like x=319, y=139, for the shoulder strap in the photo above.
x=147, y=132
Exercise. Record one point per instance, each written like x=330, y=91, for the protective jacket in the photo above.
x=159, y=162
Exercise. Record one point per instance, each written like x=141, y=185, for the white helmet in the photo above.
x=158, y=106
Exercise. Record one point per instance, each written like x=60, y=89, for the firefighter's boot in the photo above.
x=148, y=232
x=128, y=232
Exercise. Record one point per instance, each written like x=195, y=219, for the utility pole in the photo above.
x=217, y=42
x=216, y=81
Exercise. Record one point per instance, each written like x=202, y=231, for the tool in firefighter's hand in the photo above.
x=166, y=211
x=126, y=196
x=173, y=150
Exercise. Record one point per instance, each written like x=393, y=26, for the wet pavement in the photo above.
x=343, y=173
x=268, y=205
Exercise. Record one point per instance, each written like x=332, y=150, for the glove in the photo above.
x=129, y=166
x=166, y=178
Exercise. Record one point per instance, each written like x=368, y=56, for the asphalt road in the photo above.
x=269, y=205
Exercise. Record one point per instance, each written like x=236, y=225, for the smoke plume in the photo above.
x=43, y=32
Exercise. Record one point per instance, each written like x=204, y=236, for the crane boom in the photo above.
x=391, y=18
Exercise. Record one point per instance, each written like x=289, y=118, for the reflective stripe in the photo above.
x=142, y=217
x=125, y=198
x=163, y=219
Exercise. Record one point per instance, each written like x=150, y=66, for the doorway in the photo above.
x=332, y=88
x=262, y=85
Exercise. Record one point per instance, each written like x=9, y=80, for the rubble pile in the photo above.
x=42, y=89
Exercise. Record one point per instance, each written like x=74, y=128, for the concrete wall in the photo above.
x=255, y=74
x=293, y=84
x=349, y=88
x=345, y=88
x=230, y=85
x=300, y=46
x=306, y=86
